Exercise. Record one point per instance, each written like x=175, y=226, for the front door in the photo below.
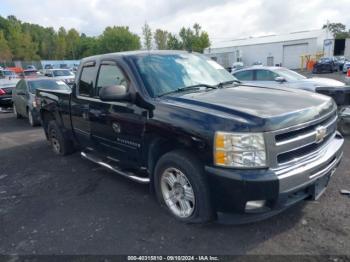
x=80, y=104
x=117, y=127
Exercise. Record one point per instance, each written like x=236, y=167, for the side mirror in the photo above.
x=280, y=79
x=114, y=93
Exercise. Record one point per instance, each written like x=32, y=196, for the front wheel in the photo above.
x=181, y=187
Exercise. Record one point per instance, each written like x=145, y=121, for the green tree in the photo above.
x=61, y=44
x=173, y=43
x=338, y=29
x=161, y=38
x=5, y=51
x=118, y=38
x=22, y=46
x=194, y=39
x=87, y=46
x=147, y=36
x=72, y=42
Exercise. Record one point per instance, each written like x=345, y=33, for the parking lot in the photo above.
x=67, y=205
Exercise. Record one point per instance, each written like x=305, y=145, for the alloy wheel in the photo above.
x=177, y=192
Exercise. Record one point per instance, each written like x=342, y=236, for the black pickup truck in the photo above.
x=209, y=147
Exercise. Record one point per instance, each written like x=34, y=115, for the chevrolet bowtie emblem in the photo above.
x=321, y=133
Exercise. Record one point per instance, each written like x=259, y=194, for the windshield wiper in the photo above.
x=222, y=84
x=188, y=88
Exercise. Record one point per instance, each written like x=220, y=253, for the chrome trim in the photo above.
x=275, y=149
x=142, y=180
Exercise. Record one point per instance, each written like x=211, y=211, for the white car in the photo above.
x=61, y=74
x=265, y=76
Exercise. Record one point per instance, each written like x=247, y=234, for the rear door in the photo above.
x=80, y=103
x=117, y=127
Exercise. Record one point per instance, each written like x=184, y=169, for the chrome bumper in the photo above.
x=293, y=178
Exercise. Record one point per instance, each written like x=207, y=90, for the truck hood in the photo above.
x=269, y=108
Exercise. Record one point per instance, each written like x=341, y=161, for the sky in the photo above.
x=222, y=19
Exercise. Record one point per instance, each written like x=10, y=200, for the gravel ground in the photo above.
x=66, y=205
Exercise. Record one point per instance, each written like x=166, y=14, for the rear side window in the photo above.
x=86, y=81
x=244, y=75
x=265, y=75
x=110, y=75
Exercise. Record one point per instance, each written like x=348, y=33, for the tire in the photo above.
x=31, y=119
x=188, y=199
x=59, y=143
x=17, y=115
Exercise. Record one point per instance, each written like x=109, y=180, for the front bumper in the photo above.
x=232, y=189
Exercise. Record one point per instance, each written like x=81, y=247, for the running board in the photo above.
x=131, y=176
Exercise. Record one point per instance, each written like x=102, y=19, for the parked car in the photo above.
x=208, y=146
x=6, y=88
x=346, y=67
x=61, y=74
x=31, y=67
x=24, y=98
x=325, y=65
x=48, y=66
x=283, y=77
x=7, y=74
x=29, y=73
x=340, y=62
x=237, y=66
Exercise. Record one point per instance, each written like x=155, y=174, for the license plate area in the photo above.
x=319, y=186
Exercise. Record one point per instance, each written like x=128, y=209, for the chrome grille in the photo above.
x=296, y=144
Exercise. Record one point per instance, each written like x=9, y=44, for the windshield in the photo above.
x=47, y=84
x=62, y=73
x=30, y=73
x=290, y=75
x=162, y=74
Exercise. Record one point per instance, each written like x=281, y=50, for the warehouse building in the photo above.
x=285, y=50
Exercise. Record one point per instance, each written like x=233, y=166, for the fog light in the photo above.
x=255, y=205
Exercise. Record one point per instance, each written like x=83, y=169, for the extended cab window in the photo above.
x=265, y=75
x=110, y=75
x=244, y=75
x=86, y=81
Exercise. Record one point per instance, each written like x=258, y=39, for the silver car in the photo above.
x=24, y=99
x=282, y=77
x=64, y=75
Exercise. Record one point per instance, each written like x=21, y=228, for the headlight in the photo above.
x=239, y=150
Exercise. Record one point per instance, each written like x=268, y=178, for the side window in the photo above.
x=86, y=81
x=244, y=75
x=265, y=75
x=109, y=75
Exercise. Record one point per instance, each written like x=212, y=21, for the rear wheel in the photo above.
x=59, y=142
x=15, y=112
x=181, y=187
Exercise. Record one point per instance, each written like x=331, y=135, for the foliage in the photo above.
x=338, y=29
x=25, y=41
x=161, y=39
x=147, y=36
x=5, y=51
x=118, y=38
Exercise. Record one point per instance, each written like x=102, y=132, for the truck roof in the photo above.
x=134, y=53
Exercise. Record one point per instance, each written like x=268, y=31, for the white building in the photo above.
x=285, y=49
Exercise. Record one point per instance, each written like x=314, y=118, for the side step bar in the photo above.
x=97, y=160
